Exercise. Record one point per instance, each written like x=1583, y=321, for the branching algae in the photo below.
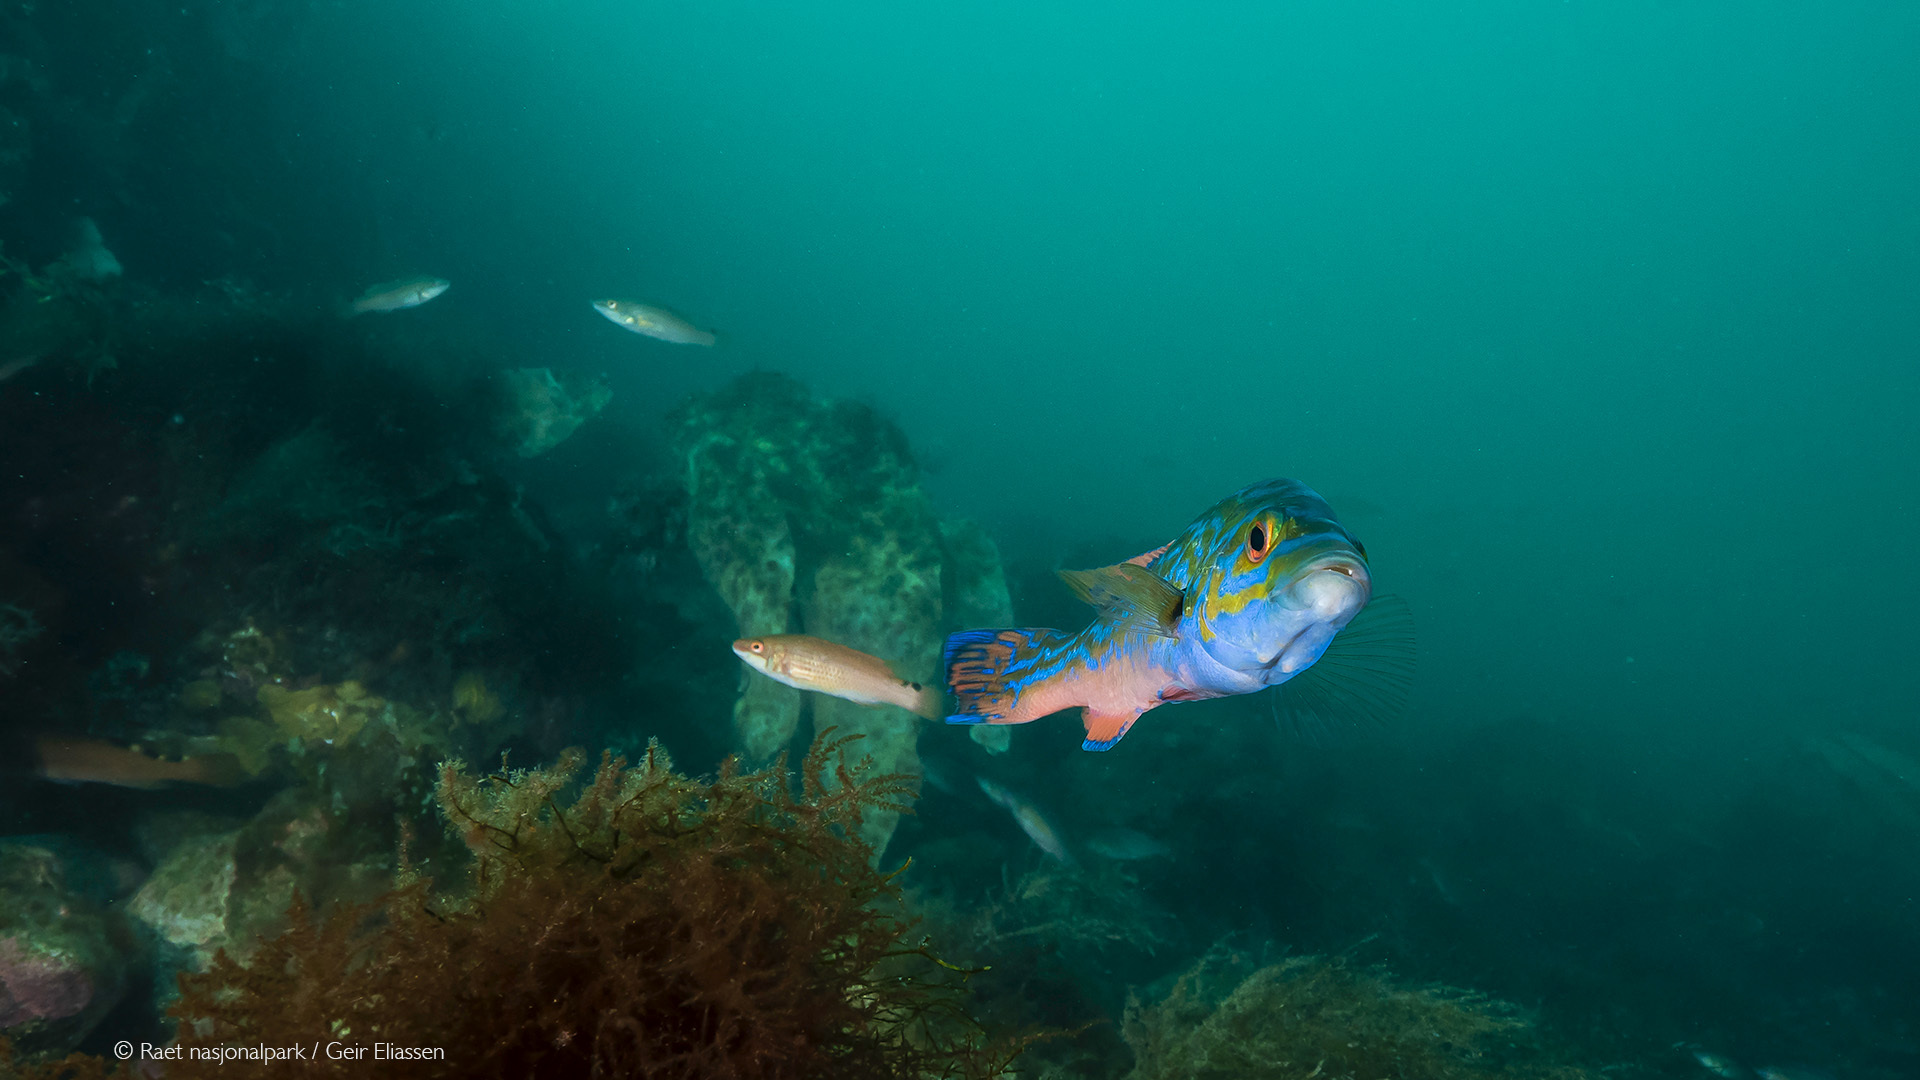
x=650, y=925
x=1317, y=1018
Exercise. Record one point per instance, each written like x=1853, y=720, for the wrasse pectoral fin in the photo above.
x=1131, y=595
x=1363, y=680
x=1105, y=729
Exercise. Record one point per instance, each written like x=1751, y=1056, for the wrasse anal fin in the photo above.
x=1105, y=729
x=1131, y=595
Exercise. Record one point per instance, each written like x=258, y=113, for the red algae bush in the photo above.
x=643, y=924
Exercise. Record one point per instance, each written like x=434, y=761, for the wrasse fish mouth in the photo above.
x=1339, y=563
x=1266, y=663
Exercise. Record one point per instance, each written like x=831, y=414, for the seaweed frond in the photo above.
x=638, y=923
x=1320, y=1018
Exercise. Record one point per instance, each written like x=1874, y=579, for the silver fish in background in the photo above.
x=398, y=295
x=1030, y=820
x=653, y=322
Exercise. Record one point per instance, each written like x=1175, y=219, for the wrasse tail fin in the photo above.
x=984, y=669
x=1130, y=595
x=1362, y=681
x=1105, y=729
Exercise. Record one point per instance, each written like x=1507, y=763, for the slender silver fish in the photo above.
x=1030, y=819
x=652, y=321
x=397, y=295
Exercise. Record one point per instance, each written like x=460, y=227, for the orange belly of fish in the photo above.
x=1117, y=688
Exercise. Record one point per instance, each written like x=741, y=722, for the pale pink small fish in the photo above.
x=653, y=322
x=398, y=295
x=811, y=663
x=1030, y=820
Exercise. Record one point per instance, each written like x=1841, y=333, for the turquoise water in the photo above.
x=1597, y=323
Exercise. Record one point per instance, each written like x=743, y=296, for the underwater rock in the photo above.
x=976, y=595
x=540, y=410
x=808, y=516
x=306, y=478
x=88, y=259
x=185, y=899
x=739, y=533
x=63, y=958
x=881, y=596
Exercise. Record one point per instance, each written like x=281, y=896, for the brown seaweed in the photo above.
x=644, y=924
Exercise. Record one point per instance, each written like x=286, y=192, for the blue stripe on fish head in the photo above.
x=1270, y=576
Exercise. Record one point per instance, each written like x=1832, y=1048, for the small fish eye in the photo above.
x=758, y=646
x=1257, y=543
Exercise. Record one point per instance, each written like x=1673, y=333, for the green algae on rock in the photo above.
x=539, y=409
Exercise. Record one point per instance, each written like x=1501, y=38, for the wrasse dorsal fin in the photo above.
x=1361, y=683
x=1146, y=558
x=1130, y=595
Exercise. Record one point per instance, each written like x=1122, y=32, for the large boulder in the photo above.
x=64, y=957
x=807, y=516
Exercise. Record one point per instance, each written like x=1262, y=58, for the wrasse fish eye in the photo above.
x=1257, y=543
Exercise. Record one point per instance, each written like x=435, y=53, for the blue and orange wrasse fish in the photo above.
x=1247, y=598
